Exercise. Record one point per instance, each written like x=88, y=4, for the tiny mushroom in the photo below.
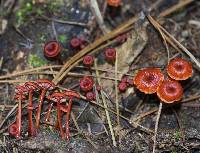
x=30, y=87
x=122, y=86
x=19, y=95
x=86, y=83
x=75, y=43
x=179, y=69
x=52, y=49
x=44, y=85
x=12, y=130
x=88, y=60
x=148, y=80
x=114, y=3
x=110, y=54
x=58, y=98
x=90, y=95
x=170, y=91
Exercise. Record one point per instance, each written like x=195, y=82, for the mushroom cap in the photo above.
x=88, y=60
x=45, y=84
x=179, y=69
x=114, y=3
x=30, y=86
x=170, y=91
x=86, y=83
x=71, y=93
x=20, y=89
x=19, y=96
x=90, y=95
x=12, y=130
x=110, y=54
x=52, y=49
x=57, y=96
x=122, y=86
x=148, y=80
x=75, y=42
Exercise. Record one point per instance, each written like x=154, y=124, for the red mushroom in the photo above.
x=71, y=94
x=90, y=95
x=75, y=43
x=110, y=54
x=19, y=95
x=114, y=3
x=58, y=98
x=13, y=130
x=170, y=91
x=179, y=69
x=122, y=86
x=86, y=83
x=30, y=87
x=148, y=80
x=52, y=49
x=44, y=85
x=88, y=60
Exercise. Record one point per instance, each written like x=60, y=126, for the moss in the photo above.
x=35, y=61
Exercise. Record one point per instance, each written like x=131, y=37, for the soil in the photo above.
x=179, y=125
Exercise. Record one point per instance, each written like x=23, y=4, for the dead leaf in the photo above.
x=3, y=25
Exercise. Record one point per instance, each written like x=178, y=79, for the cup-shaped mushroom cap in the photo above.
x=19, y=96
x=31, y=86
x=179, y=69
x=70, y=93
x=13, y=129
x=57, y=96
x=114, y=3
x=170, y=91
x=86, y=83
x=148, y=80
x=20, y=89
x=52, y=49
x=45, y=84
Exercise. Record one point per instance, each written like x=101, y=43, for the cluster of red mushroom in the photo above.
x=59, y=99
x=169, y=90
x=86, y=85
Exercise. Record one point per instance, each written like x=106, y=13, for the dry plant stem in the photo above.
x=157, y=25
x=65, y=69
x=156, y=128
x=106, y=107
x=69, y=107
x=116, y=91
x=41, y=99
x=64, y=22
x=174, y=8
x=95, y=9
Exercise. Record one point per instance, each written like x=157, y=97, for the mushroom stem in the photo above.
x=31, y=129
x=19, y=118
x=47, y=116
x=41, y=99
x=68, y=119
x=59, y=119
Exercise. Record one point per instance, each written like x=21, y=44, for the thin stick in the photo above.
x=156, y=127
x=174, y=8
x=116, y=91
x=105, y=105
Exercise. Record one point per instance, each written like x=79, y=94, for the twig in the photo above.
x=106, y=111
x=174, y=8
x=95, y=9
x=64, y=22
x=116, y=90
x=156, y=128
